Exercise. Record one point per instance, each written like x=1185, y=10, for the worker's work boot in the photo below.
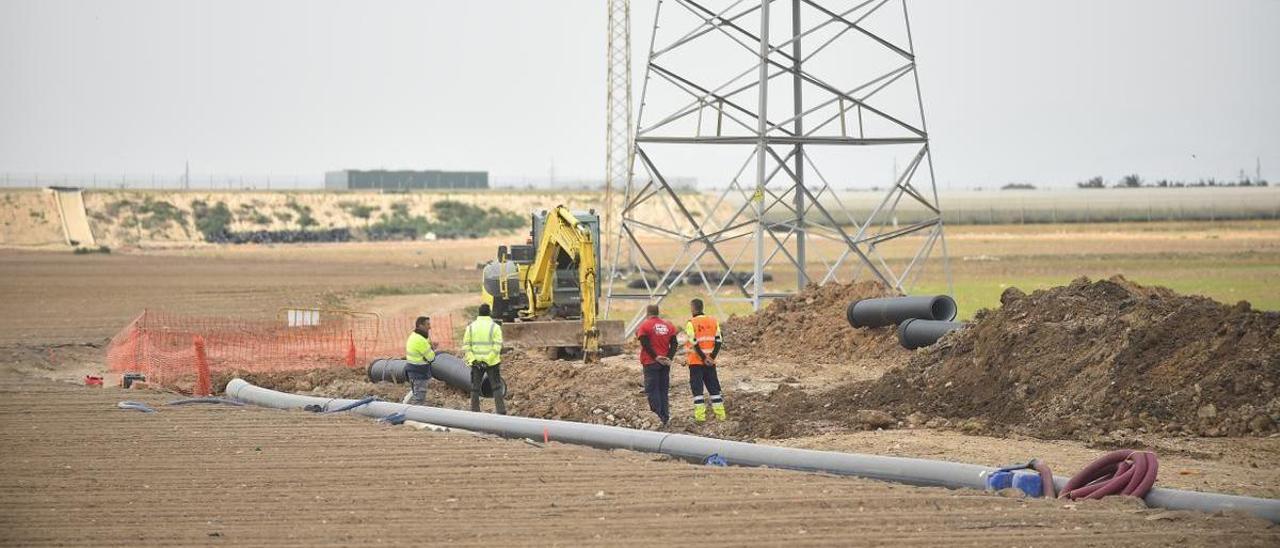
x=719, y=410
x=418, y=391
x=700, y=412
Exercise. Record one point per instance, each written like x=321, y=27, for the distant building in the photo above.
x=352, y=179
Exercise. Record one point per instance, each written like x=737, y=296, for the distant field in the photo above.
x=991, y=207
x=1226, y=261
x=56, y=295
x=1226, y=278
x=1229, y=262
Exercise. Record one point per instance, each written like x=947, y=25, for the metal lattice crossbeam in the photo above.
x=776, y=111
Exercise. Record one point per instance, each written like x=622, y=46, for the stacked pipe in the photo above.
x=921, y=320
x=918, y=333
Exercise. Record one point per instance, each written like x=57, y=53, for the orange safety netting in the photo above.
x=163, y=346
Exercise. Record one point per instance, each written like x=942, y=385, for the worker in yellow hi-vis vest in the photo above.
x=419, y=355
x=482, y=342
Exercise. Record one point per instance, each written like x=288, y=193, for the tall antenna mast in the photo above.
x=617, y=160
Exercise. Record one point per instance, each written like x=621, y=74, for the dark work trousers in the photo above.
x=657, y=385
x=419, y=376
x=494, y=372
x=702, y=375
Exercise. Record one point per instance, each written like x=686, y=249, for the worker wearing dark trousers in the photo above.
x=494, y=374
x=419, y=355
x=482, y=342
x=702, y=339
x=657, y=347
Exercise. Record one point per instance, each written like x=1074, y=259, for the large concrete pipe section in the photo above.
x=896, y=469
x=915, y=333
x=447, y=367
x=895, y=310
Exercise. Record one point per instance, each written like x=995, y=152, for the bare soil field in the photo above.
x=59, y=297
x=1243, y=466
x=610, y=393
x=77, y=471
x=184, y=476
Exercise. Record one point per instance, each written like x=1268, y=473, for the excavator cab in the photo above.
x=547, y=290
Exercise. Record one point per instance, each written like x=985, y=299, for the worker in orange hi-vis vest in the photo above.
x=702, y=339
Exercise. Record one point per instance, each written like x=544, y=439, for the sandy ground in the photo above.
x=418, y=305
x=1243, y=466
x=77, y=471
x=573, y=391
x=60, y=297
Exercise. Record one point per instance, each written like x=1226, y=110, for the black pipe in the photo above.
x=916, y=333
x=446, y=367
x=895, y=310
x=387, y=370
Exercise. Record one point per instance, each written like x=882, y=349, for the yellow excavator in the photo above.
x=547, y=291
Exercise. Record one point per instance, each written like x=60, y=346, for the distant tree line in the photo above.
x=1133, y=180
x=453, y=220
x=1018, y=186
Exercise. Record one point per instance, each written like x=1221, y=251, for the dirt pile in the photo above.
x=604, y=393
x=1094, y=359
x=810, y=326
x=334, y=382
x=1100, y=360
x=610, y=392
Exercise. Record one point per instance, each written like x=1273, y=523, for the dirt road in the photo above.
x=60, y=297
x=77, y=471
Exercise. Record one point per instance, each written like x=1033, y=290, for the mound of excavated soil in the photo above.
x=810, y=326
x=605, y=393
x=1095, y=358
x=334, y=382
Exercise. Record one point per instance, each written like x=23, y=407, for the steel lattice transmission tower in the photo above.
x=780, y=103
x=618, y=127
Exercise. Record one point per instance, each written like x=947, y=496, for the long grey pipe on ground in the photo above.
x=895, y=310
x=446, y=367
x=922, y=472
x=916, y=333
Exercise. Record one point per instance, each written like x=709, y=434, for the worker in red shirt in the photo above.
x=657, y=348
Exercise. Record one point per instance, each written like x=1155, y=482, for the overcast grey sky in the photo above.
x=1014, y=90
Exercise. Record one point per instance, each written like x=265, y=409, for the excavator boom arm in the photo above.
x=564, y=232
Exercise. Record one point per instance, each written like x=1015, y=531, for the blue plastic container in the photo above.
x=1028, y=482
x=1023, y=480
x=999, y=480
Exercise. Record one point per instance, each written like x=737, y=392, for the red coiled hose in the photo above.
x=1123, y=472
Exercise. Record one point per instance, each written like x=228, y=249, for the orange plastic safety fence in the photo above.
x=163, y=346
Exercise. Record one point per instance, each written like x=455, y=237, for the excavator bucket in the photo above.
x=560, y=335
